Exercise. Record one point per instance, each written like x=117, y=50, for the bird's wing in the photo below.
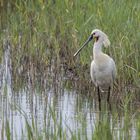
x=93, y=72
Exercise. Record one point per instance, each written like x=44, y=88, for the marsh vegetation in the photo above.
x=45, y=93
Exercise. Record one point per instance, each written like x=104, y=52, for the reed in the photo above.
x=40, y=31
x=107, y=127
x=47, y=33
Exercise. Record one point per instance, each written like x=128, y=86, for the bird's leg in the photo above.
x=99, y=98
x=108, y=94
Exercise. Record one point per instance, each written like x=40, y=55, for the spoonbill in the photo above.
x=103, y=68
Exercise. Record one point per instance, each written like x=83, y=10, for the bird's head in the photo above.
x=98, y=36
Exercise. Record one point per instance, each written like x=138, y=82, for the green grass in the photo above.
x=56, y=29
x=43, y=33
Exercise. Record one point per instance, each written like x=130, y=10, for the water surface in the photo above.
x=53, y=105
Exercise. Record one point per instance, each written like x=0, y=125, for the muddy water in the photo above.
x=50, y=107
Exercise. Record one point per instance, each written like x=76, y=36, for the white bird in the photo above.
x=103, y=68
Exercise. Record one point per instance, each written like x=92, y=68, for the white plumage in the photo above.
x=103, y=68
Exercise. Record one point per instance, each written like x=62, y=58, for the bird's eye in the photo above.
x=93, y=33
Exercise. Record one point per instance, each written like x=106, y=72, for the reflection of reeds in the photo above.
x=103, y=126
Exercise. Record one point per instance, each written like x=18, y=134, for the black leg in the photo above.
x=108, y=94
x=99, y=98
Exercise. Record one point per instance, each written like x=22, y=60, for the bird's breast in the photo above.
x=101, y=71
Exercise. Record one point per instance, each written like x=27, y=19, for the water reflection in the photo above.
x=73, y=111
x=55, y=106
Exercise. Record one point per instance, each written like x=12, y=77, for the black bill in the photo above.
x=88, y=40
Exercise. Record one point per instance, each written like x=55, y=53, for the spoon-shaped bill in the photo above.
x=89, y=39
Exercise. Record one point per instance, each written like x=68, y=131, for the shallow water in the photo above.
x=70, y=107
x=51, y=107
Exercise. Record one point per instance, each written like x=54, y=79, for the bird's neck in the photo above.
x=97, y=49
